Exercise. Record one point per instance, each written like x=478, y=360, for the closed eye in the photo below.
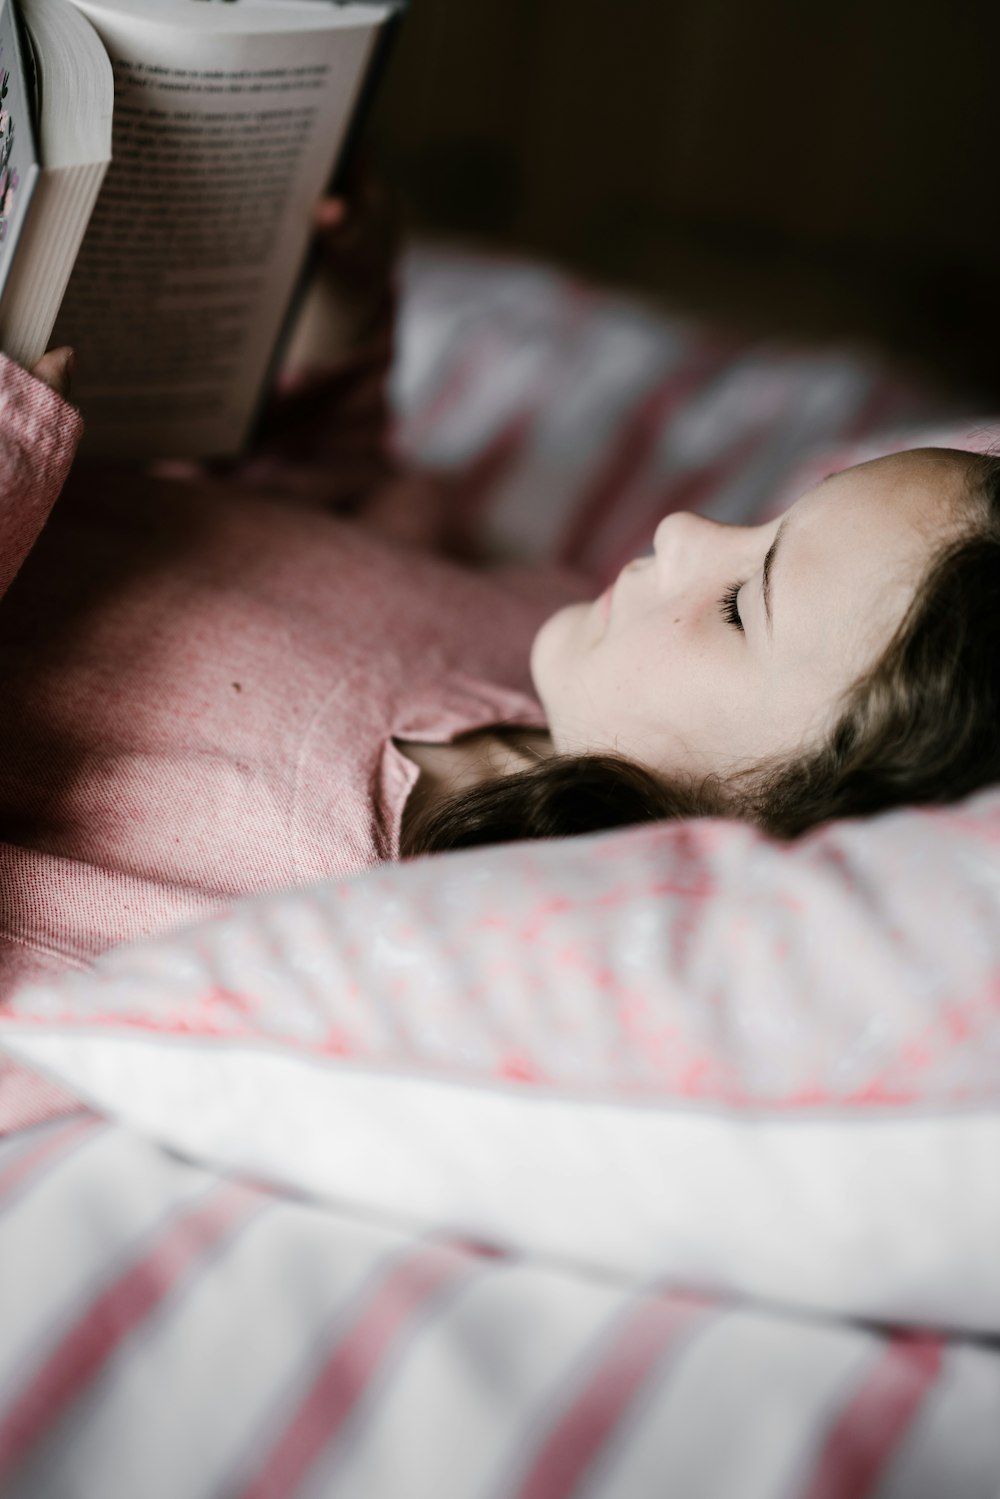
x=728, y=609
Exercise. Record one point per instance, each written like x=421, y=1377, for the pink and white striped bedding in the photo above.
x=204, y=1336
x=569, y=421
x=658, y=1162
x=457, y=1186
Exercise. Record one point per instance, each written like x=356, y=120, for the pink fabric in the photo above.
x=38, y=437
x=202, y=679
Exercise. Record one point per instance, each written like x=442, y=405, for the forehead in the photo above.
x=855, y=547
x=924, y=488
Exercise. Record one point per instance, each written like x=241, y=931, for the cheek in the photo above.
x=622, y=687
x=637, y=685
x=675, y=683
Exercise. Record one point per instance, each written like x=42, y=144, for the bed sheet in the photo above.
x=181, y=1334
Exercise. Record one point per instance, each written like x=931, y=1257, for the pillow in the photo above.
x=564, y=420
x=682, y=1052
x=970, y=435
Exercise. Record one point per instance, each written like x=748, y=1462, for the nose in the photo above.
x=685, y=544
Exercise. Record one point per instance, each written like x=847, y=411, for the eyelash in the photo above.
x=728, y=609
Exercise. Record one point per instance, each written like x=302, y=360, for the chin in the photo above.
x=555, y=651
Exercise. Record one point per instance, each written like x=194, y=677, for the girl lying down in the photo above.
x=214, y=685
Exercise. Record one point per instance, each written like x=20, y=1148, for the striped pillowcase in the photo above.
x=173, y=1333
x=565, y=421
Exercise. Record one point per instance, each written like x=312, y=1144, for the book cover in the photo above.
x=18, y=149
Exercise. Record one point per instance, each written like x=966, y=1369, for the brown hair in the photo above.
x=922, y=726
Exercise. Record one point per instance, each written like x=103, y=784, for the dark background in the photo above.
x=823, y=170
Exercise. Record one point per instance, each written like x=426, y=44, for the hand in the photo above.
x=359, y=234
x=56, y=370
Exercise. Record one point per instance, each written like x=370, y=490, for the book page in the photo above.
x=222, y=144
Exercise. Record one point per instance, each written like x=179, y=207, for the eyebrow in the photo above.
x=768, y=565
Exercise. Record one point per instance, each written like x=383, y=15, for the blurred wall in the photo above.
x=822, y=167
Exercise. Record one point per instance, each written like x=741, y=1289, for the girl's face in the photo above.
x=732, y=644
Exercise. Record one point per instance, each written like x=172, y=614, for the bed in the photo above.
x=662, y=1161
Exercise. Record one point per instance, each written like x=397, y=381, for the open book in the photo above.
x=160, y=161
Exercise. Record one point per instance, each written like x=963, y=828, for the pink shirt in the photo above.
x=202, y=681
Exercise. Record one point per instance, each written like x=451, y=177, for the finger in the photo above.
x=55, y=369
x=331, y=213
